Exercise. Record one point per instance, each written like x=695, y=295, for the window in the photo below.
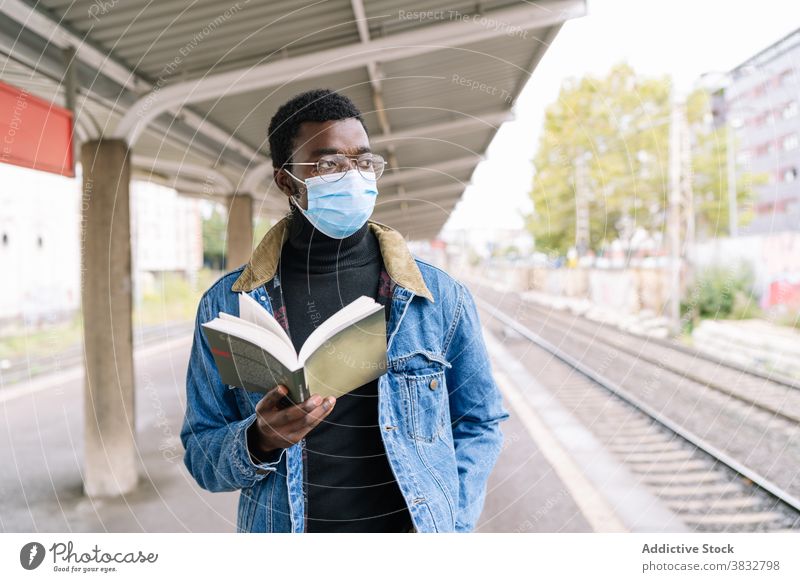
x=790, y=175
x=790, y=142
x=790, y=110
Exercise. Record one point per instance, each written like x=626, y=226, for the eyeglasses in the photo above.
x=331, y=168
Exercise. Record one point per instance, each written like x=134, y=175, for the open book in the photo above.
x=345, y=352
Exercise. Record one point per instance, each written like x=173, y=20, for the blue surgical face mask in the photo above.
x=340, y=208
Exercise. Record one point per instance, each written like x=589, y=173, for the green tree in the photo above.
x=214, y=240
x=618, y=126
x=260, y=229
x=710, y=171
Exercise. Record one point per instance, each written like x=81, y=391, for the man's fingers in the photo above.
x=306, y=420
x=295, y=413
x=293, y=432
x=291, y=415
x=314, y=417
x=271, y=399
x=292, y=423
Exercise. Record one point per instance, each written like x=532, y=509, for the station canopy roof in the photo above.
x=191, y=86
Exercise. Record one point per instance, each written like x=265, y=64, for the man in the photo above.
x=410, y=451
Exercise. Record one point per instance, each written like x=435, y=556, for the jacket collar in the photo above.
x=397, y=259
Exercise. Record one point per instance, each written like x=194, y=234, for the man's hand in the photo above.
x=277, y=428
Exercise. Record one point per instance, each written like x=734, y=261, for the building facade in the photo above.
x=40, y=242
x=760, y=103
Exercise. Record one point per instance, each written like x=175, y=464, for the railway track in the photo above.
x=24, y=369
x=777, y=396
x=707, y=485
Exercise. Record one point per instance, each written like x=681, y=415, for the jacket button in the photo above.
x=434, y=383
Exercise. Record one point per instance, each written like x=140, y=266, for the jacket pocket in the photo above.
x=425, y=398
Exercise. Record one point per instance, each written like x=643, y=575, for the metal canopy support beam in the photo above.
x=257, y=177
x=488, y=120
x=442, y=168
x=374, y=80
x=261, y=175
x=414, y=204
x=422, y=233
x=212, y=192
x=192, y=192
x=214, y=179
x=47, y=60
x=70, y=97
x=105, y=67
x=57, y=35
x=403, y=45
x=414, y=233
x=399, y=178
x=435, y=193
x=405, y=228
x=207, y=191
x=420, y=210
x=419, y=214
x=439, y=212
x=430, y=228
x=437, y=221
x=402, y=207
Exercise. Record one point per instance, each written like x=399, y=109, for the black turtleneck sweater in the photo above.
x=350, y=485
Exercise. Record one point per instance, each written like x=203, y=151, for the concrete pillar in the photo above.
x=109, y=427
x=239, y=230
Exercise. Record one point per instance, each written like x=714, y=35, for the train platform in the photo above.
x=551, y=476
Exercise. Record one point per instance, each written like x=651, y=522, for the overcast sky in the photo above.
x=683, y=38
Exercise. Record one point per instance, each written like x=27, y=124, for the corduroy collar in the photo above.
x=397, y=259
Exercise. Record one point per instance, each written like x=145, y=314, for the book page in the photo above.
x=251, y=311
x=258, y=336
x=350, y=358
x=228, y=317
x=346, y=316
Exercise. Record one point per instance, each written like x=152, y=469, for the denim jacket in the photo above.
x=439, y=407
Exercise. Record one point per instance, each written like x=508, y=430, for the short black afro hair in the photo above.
x=315, y=105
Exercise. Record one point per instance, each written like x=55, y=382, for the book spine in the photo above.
x=302, y=385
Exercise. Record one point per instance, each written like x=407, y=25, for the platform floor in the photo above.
x=529, y=491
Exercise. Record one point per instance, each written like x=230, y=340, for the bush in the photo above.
x=722, y=292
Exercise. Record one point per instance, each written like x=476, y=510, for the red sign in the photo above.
x=35, y=133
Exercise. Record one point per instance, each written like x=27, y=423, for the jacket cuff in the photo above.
x=246, y=462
